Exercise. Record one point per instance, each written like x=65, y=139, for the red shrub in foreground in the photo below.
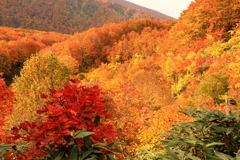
x=70, y=109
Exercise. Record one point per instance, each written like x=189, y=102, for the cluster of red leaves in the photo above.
x=6, y=98
x=70, y=109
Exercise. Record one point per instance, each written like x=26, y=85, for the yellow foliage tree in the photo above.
x=214, y=85
x=39, y=74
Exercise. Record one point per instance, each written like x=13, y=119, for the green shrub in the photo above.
x=212, y=135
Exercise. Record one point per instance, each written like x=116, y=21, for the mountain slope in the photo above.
x=68, y=16
x=133, y=5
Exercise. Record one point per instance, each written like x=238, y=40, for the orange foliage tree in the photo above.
x=17, y=45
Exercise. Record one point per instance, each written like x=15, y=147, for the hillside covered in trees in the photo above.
x=134, y=75
x=133, y=5
x=70, y=16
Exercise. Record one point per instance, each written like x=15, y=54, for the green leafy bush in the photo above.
x=212, y=135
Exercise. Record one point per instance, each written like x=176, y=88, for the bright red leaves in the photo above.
x=70, y=109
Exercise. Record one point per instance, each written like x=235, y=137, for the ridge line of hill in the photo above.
x=136, y=6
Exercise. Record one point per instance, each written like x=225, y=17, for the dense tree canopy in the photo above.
x=68, y=16
x=146, y=69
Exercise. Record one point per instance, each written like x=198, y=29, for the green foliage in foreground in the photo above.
x=88, y=152
x=213, y=135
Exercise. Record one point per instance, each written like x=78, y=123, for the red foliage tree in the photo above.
x=6, y=98
x=70, y=109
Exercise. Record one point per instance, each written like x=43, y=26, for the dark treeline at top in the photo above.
x=69, y=16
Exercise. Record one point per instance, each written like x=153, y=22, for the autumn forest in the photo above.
x=139, y=89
